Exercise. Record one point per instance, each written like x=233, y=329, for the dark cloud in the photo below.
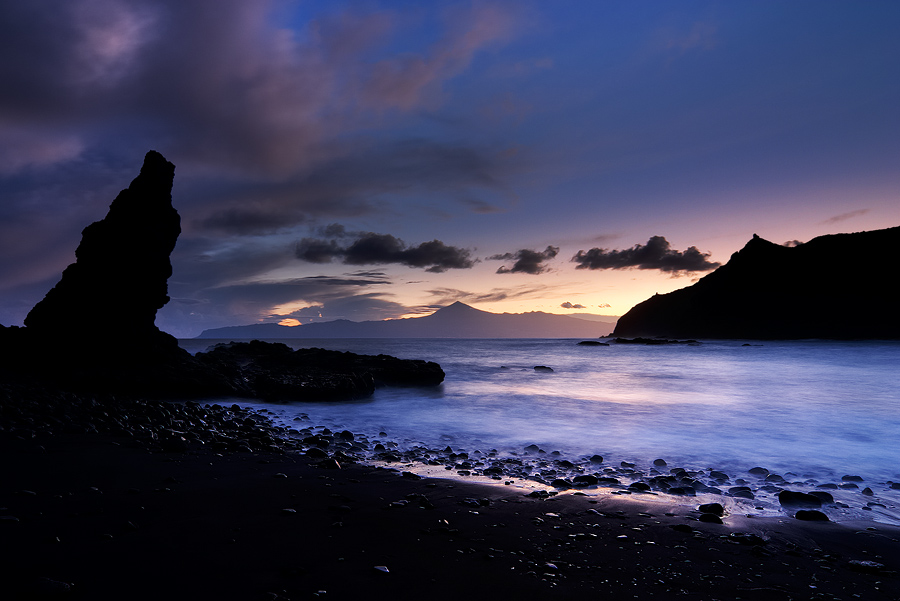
x=656, y=254
x=317, y=250
x=526, y=260
x=247, y=221
x=370, y=248
x=568, y=305
x=361, y=182
x=272, y=126
x=792, y=243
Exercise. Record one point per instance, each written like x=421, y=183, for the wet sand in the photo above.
x=98, y=516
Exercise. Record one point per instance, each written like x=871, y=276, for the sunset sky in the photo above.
x=375, y=159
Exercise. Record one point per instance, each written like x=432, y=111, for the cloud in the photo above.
x=568, y=305
x=356, y=185
x=445, y=296
x=844, y=216
x=370, y=248
x=222, y=82
x=248, y=221
x=21, y=148
x=276, y=118
x=193, y=309
x=526, y=261
x=405, y=81
x=656, y=254
x=357, y=307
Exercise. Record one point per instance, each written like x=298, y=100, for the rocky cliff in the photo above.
x=770, y=291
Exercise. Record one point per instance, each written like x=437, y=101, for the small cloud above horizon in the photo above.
x=568, y=305
x=526, y=260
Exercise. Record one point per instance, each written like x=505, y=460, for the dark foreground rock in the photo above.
x=95, y=331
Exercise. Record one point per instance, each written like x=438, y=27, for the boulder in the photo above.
x=790, y=498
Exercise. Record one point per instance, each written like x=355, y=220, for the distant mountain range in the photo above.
x=454, y=321
x=771, y=291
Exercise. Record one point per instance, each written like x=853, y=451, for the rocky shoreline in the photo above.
x=104, y=491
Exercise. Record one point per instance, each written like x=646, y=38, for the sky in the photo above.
x=380, y=159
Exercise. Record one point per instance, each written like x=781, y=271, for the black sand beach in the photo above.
x=94, y=509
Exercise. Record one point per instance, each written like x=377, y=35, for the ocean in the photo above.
x=813, y=409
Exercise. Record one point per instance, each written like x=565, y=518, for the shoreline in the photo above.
x=120, y=516
x=847, y=498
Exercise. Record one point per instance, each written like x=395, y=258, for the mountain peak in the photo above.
x=457, y=308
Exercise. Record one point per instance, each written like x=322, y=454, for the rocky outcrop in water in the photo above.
x=770, y=291
x=275, y=371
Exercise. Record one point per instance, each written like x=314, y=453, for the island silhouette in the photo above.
x=457, y=320
x=838, y=286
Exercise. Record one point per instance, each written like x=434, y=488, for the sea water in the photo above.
x=818, y=409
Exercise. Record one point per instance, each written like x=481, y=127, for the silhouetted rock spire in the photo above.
x=119, y=280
